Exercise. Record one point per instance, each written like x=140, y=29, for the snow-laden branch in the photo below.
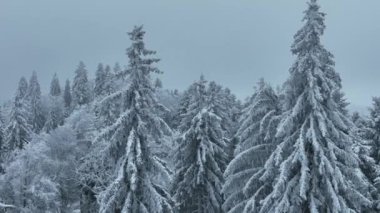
x=3, y=206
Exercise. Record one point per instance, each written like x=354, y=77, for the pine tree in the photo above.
x=135, y=187
x=183, y=107
x=55, y=87
x=33, y=96
x=225, y=106
x=67, y=95
x=370, y=131
x=256, y=142
x=1, y=140
x=100, y=78
x=221, y=106
x=81, y=89
x=109, y=81
x=56, y=109
x=313, y=168
x=18, y=130
x=1, y=131
x=108, y=108
x=374, y=129
x=200, y=157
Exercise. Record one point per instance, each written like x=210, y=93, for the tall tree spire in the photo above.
x=67, y=97
x=81, y=89
x=18, y=130
x=313, y=168
x=130, y=138
x=201, y=155
x=55, y=87
x=256, y=132
x=33, y=96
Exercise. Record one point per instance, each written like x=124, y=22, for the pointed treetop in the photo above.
x=307, y=37
x=137, y=33
x=202, y=80
x=22, y=88
x=55, y=87
x=107, y=69
x=34, y=86
x=34, y=75
x=81, y=64
x=100, y=66
x=137, y=54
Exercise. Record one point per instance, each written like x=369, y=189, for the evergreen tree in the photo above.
x=109, y=82
x=18, y=130
x=256, y=132
x=33, y=96
x=81, y=89
x=67, y=95
x=100, y=78
x=1, y=140
x=109, y=107
x=183, y=107
x=135, y=187
x=1, y=131
x=313, y=168
x=55, y=87
x=374, y=129
x=200, y=157
x=370, y=151
x=56, y=106
x=225, y=106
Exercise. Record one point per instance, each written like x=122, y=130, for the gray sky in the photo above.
x=234, y=42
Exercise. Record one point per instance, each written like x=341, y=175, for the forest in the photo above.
x=123, y=143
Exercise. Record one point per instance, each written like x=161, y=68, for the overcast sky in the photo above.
x=234, y=42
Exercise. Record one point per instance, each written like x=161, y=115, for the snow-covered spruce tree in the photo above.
x=56, y=114
x=183, y=107
x=224, y=105
x=1, y=140
x=234, y=109
x=221, y=106
x=137, y=185
x=99, y=80
x=373, y=130
x=33, y=96
x=18, y=130
x=67, y=98
x=109, y=82
x=1, y=130
x=370, y=131
x=313, y=168
x=200, y=156
x=81, y=90
x=108, y=107
x=256, y=142
x=55, y=87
